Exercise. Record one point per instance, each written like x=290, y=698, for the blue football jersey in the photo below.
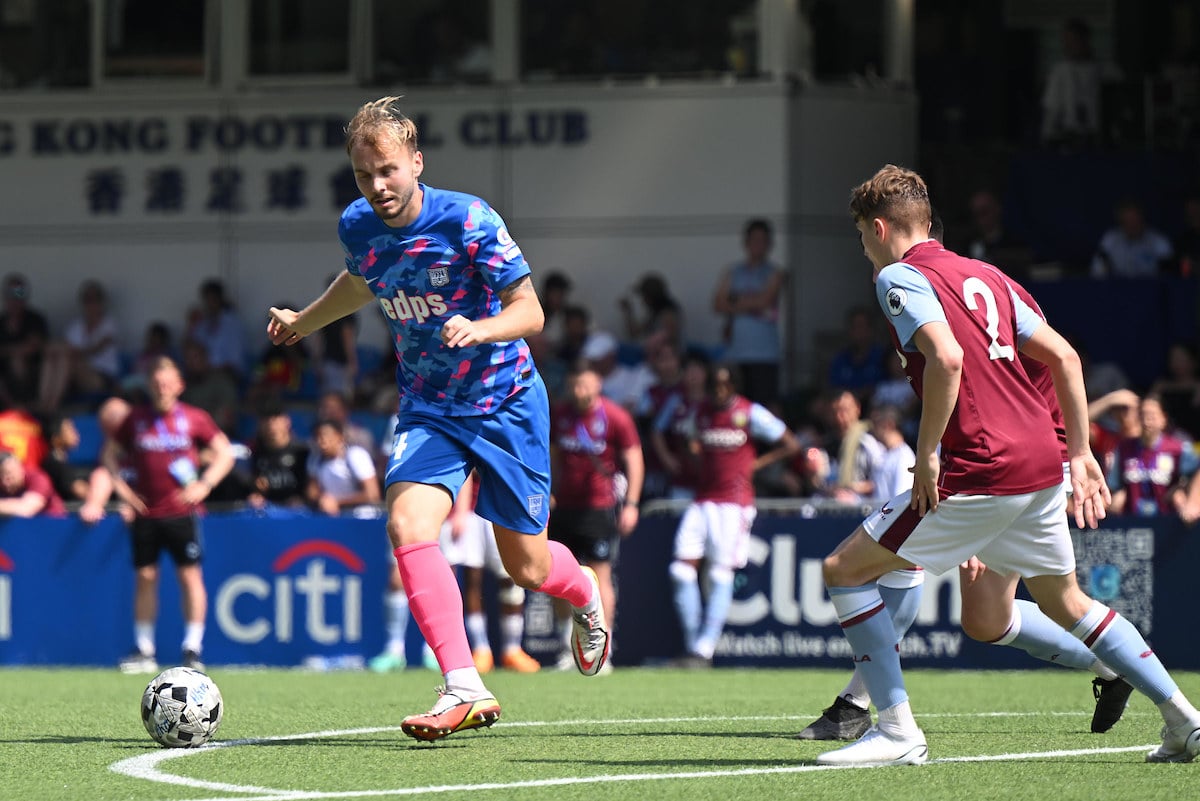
x=453, y=259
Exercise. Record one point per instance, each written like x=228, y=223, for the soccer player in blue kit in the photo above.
x=457, y=294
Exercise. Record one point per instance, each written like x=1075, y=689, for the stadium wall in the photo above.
x=153, y=194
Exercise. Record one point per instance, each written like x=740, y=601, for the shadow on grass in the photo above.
x=74, y=739
x=673, y=763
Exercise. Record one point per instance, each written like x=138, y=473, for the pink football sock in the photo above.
x=566, y=580
x=436, y=603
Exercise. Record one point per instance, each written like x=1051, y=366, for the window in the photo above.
x=153, y=39
x=431, y=42
x=300, y=37
x=44, y=43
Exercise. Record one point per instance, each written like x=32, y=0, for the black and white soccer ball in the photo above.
x=182, y=708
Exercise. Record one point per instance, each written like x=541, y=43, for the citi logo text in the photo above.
x=249, y=608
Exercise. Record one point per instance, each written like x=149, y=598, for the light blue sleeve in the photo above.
x=908, y=300
x=765, y=426
x=1027, y=320
x=1188, y=460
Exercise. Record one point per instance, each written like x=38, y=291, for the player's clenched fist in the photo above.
x=459, y=332
x=281, y=327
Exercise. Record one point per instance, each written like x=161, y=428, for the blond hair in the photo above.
x=895, y=194
x=378, y=121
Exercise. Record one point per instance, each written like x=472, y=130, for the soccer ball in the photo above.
x=182, y=708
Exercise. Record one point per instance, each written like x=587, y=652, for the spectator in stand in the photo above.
x=89, y=486
x=991, y=241
x=662, y=317
x=335, y=354
x=622, y=383
x=212, y=390
x=715, y=527
x=26, y=491
x=21, y=434
x=23, y=337
x=749, y=295
x=88, y=362
x=555, y=289
x=1179, y=391
x=1112, y=419
x=341, y=476
x=669, y=431
x=156, y=341
x=1071, y=100
x=161, y=442
x=334, y=407
x=577, y=329
x=597, y=474
x=1131, y=249
x=891, y=473
x=1188, y=243
x=853, y=452
x=279, y=462
x=668, y=380
x=215, y=323
x=859, y=366
x=895, y=389
x=1155, y=473
x=278, y=374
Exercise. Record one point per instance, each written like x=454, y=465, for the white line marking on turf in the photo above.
x=146, y=766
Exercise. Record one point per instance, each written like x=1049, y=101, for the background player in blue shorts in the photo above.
x=457, y=294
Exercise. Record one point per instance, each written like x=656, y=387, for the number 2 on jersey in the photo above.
x=974, y=288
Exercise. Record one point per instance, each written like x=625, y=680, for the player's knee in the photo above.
x=720, y=574
x=510, y=594
x=683, y=572
x=529, y=575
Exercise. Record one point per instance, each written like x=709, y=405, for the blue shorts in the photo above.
x=510, y=448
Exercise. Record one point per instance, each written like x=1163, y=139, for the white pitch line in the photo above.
x=146, y=766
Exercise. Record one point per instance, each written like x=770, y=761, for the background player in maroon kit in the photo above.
x=1153, y=473
x=597, y=472
x=161, y=441
x=716, y=525
x=669, y=437
x=994, y=490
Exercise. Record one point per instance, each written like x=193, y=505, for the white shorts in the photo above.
x=1026, y=534
x=475, y=547
x=720, y=531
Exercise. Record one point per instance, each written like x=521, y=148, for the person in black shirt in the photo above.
x=279, y=462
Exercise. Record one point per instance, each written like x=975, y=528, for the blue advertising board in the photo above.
x=285, y=587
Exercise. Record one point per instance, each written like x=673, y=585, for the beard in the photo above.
x=399, y=206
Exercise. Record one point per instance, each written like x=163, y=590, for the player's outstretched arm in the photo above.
x=346, y=295
x=520, y=316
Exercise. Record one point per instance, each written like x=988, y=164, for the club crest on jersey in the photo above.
x=740, y=418
x=896, y=300
x=535, y=504
x=438, y=276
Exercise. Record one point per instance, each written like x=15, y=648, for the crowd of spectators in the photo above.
x=311, y=424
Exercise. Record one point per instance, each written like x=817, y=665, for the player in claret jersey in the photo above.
x=994, y=490
x=716, y=526
x=457, y=294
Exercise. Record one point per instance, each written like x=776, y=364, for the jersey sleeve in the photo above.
x=491, y=247
x=203, y=427
x=765, y=426
x=666, y=413
x=625, y=434
x=1027, y=320
x=346, y=239
x=361, y=464
x=909, y=301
